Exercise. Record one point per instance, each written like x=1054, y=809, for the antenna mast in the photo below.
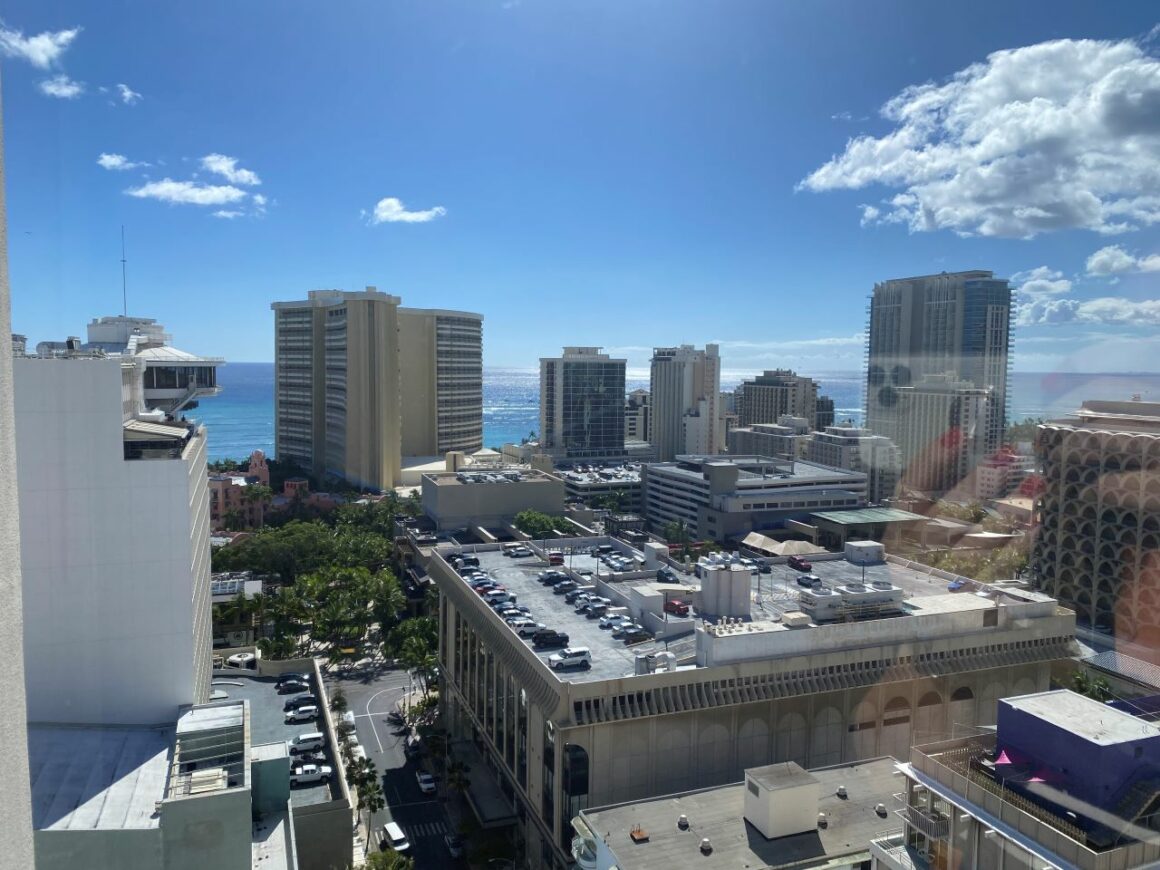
x=124, y=292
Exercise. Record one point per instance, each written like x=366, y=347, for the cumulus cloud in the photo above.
x=62, y=87
x=1045, y=137
x=228, y=214
x=42, y=51
x=117, y=162
x=187, y=192
x=128, y=96
x=1041, y=281
x=259, y=203
x=227, y=168
x=1114, y=260
x=391, y=210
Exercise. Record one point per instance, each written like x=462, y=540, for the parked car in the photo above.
x=300, y=701
x=596, y=609
x=306, y=713
x=676, y=607
x=291, y=678
x=293, y=686
x=571, y=657
x=565, y=586
x=509, y=613
x=413, y=747
x=314, y=756
x=555, y=558
x=798, y=563
x=550, y=637
x=310, y=773
x=635, y=634
x=454, y=845
x=394, y=838
x=809, y=580
x=531, y=629
x=553, y=577
x=308, y=742
x=620, y=630
x=426, y=782
x=521, y=553
x=574, y=595
x=609, y=622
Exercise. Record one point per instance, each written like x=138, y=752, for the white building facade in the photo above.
x=685, y=385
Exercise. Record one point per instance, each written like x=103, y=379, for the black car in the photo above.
x=635, y=635
x=291, y=678
x=549, y=637
x=293, y=687
x=299, y=701
x=571, y=597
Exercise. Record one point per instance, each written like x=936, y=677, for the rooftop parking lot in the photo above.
x=610, y=657
x=267, y=725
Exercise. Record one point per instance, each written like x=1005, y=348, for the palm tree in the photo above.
x=258, y=494
x=457, y=779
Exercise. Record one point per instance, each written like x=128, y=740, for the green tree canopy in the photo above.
x=539, y=525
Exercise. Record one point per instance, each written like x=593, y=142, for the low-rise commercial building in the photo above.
x=233, y=494
x=1065, y=781
x=786, y=438
x=456, y=500
x=715, y=698
x=779, y=816
x=859, y=450
x=727, y=497
x=616, y=487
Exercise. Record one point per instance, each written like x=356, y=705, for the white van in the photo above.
x=308, y=741
x=394, y=838
x=496, y=596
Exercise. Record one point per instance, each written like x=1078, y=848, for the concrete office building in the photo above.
x=1099, y=516
x=115, y=545
x=582, y=404
x=941, y=433
x=787, y=438
x=822, y=819
x=684, y=384
x=859, y=450
x=1064, y=781
x=769, y=396
x=469, y=499
x=636, y=415
x=956, y=324
x=719, y=498
x=647, y=721
x=15, y=800
x=361, y=382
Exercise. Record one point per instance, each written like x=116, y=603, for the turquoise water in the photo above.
x=241, y=419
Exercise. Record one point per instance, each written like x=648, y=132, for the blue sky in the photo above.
x=619, y=173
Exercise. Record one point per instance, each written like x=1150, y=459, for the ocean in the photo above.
x=241, y=418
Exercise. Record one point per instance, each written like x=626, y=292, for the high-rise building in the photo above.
x=1099, y=516
x=582, y=404
x=825, y=413
x=859, y=450
x=636, y=415
x=15, y=796
x=685, y=384
x=115, y=545
x=956, y=324
x=940, y=432
x=769, y=396
x=361, y=382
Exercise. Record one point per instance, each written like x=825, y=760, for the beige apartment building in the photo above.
x=721, y=694
x=685, y=388
x=361, y=382
x=772, y=394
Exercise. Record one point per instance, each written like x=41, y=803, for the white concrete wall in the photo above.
x=115, y=554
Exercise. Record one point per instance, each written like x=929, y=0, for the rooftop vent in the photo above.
x=706, y=847
x=880, y=809
x=841, y=792
x=683, y=822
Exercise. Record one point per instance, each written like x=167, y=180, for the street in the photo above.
x=371, y=696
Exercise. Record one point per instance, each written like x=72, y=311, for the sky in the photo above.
x=624, y=173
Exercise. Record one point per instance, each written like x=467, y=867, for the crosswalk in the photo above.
x=427, y=829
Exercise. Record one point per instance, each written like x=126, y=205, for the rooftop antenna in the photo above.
x=124, y=291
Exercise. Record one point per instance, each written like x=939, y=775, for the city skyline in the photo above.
x=611, y=157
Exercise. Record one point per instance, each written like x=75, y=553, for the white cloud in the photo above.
x=42, y=50
x=1041, y=281
x=1049, y=136
x=391, y=210
x=228, y=214
x=117, y=162
x=870, y=214
x=1105, y=310
x=128, y=96
x=259, y=203
x=227, y=167
x=1114, y=260
x=62, y=87
x=187, y=192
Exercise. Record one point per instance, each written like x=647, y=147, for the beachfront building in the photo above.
x=361, y=382
x=772, y=394
x=582, y=405
x=684, y=385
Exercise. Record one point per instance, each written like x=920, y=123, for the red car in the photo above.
x=798, y=563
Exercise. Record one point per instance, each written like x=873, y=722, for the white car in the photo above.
x=529, y=628
x=570, y=657
x=305, y=713
x=426, y=782
x=614, y=621
x=309, y=773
